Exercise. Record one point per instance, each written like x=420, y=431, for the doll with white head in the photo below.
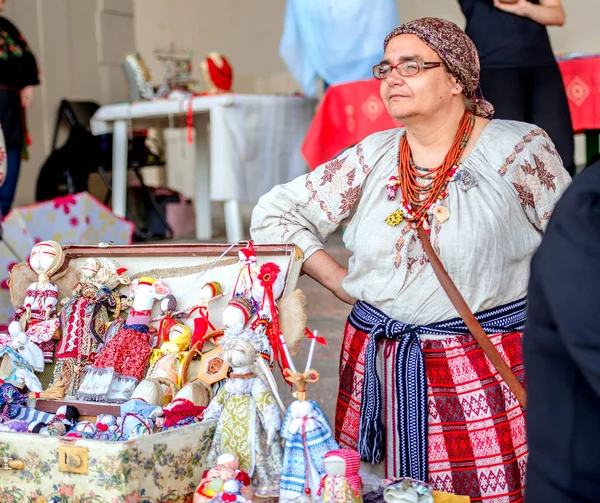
x=167, y=361
x=341, y=483
x=124, y=361
x=215, y=480
x=247, y=413
x=21, y=359
x=39, y=306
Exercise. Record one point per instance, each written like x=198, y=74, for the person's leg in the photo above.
x=550, y=111
x=505, y=89
x=9, y=187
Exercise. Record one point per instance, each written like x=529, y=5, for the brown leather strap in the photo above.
x=472, y=324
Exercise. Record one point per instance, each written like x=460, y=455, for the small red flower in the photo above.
x=64, y=203
x=87, y=220
x=74, y=221
x=243, y=477
x=268, y=274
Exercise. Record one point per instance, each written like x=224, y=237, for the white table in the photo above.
x=253, y=143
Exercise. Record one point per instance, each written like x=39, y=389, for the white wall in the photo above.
x=79, y=45
x=248, y=32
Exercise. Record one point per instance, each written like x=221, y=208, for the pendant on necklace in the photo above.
x=441, y=212
x=395, y=218
x=392, y=188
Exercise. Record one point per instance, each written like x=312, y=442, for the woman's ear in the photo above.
x=457, y=87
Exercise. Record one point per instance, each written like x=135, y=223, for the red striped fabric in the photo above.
x=477, y=443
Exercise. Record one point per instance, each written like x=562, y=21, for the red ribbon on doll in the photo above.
x=267, y=277
x=318, y=338
x=201, y=324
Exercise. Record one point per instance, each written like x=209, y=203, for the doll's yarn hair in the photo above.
x=236, y=333
x=168, y=304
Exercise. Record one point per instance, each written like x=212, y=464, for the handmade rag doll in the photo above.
x=187, y=407
x=166, y=362
x=37, y=314
x=20, y=359
x=213, y=481
x=308, y=438
x=342, y=483
x=11, y=402
x=168, y=306
x=124, y=361
x=84, y=317
x=65, y=418
x=248, y=415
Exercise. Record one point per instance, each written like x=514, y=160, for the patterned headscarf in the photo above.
x=456, y=50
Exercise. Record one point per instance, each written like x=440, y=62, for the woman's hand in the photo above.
x=519, y=7
x=321, y=267
x=547, y=13
x=27, y=96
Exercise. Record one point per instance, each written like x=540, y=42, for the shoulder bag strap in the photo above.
x=469, y=318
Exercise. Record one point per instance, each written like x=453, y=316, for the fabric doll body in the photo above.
x=39, y=306
x=341, y=484
x=124, y=360
x=248, y=415
x=168, y=359
x=83, y=320
x=25, y=358
x=246, y=410
x=214, y=480
x=305, y=430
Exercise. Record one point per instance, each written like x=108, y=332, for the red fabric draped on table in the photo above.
x=350, y=112
x=582, y=83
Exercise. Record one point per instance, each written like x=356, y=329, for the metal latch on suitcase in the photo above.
x=73, y=459
x=11, y=464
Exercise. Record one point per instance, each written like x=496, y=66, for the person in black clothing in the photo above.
x=561, y=348
x=519, y=73
x=18, y=75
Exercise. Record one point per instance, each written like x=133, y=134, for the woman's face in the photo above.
x=422, y=94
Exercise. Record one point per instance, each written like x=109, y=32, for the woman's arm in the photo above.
x=323, y=268
x=547, y=13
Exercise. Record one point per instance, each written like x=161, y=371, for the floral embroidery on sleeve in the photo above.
x=536, y=172
x=336, y=190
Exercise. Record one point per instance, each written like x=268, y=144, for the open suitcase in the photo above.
x=162, y=467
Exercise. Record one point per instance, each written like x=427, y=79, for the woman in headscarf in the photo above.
x=18, y=75
x=483, y=191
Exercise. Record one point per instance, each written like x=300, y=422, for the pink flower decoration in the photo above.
x=74, y=221
x=4, y=285
x=65, y=202
x=133, y=498
x=65, y=490
x=87, y=220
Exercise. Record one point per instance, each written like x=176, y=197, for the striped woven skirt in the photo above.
x=476, y=441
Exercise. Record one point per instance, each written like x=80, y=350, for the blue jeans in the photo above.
x=9, y=187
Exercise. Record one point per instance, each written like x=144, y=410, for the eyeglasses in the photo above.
x=405, y=68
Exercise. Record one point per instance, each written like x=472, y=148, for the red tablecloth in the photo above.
x=350, y=112
x=582, y=83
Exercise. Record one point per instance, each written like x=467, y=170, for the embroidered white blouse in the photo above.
x=499, y=203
